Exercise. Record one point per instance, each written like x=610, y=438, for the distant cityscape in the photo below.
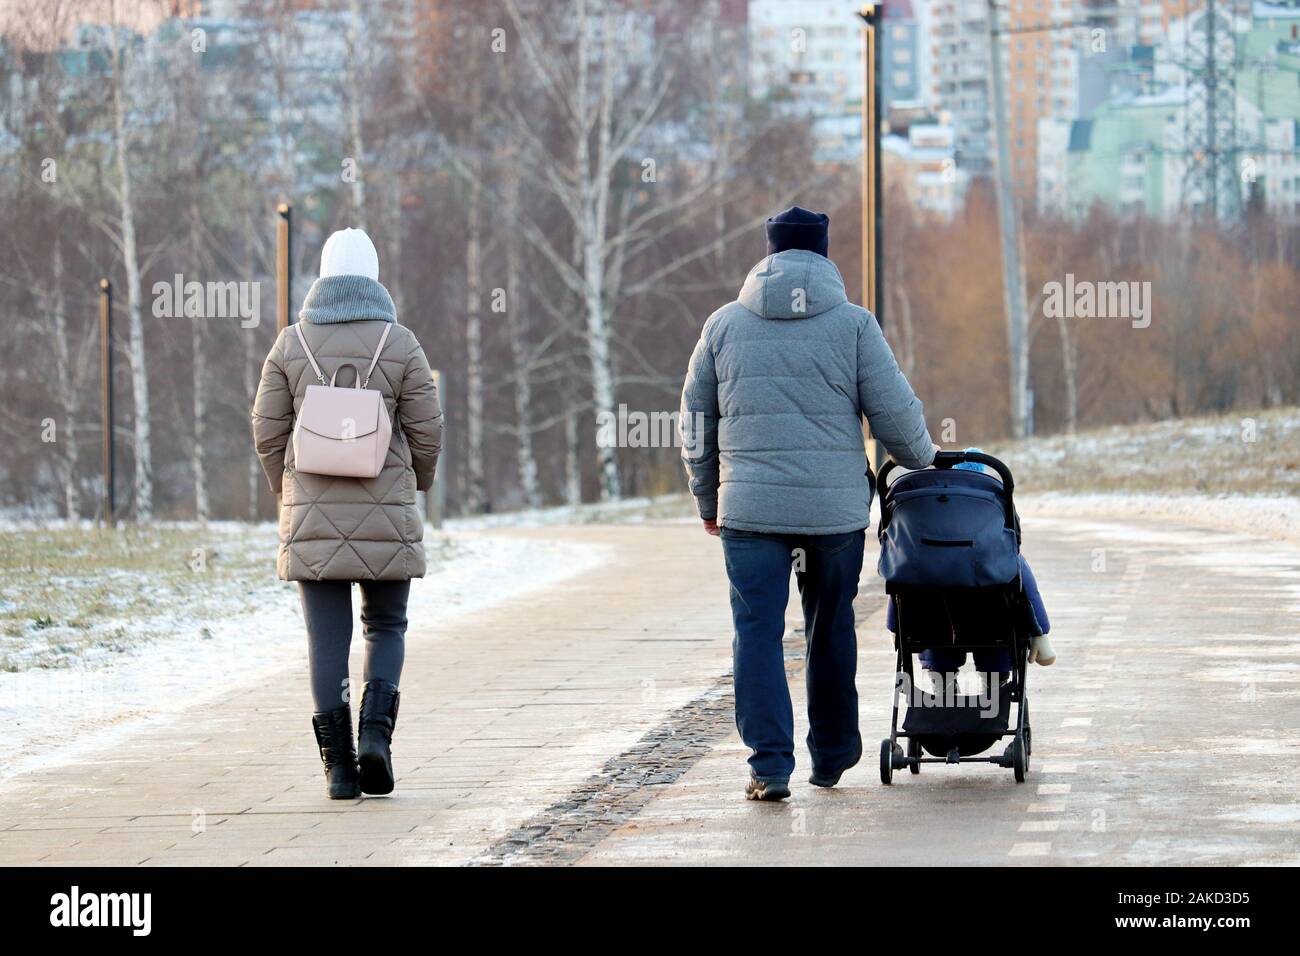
x=1107, y=99
x=1149, y=107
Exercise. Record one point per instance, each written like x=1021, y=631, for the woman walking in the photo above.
x=336, y=530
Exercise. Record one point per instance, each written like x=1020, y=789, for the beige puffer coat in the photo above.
x=348, y=528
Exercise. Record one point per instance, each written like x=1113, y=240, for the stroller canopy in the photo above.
x=948, y=528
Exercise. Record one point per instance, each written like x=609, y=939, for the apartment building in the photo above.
x=959, y=78
x=1057, y=58
x=809, y=51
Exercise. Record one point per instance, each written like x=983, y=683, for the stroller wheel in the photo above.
x=886, y=762
x=1019, y=758
x=914, y=754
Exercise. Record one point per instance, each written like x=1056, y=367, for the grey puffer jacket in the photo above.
x=350, y=529
x=772, y=409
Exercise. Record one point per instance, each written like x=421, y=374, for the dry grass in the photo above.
x=69, y=593
x=1256, y=453
x=77, y=595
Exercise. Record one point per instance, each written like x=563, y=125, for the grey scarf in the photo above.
x=347, y=299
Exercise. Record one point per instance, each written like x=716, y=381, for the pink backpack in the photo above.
x=342, y=432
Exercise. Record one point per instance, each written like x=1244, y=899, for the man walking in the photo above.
x=772, y=440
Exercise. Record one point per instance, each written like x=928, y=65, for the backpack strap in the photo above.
x=378, y=349
x=297, y=327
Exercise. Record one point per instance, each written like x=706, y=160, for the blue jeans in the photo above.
x=986, y=662
x=827, y=568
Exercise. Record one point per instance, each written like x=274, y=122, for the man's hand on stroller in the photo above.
x=937, y=448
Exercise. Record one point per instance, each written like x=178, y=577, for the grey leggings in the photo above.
x=327, y=611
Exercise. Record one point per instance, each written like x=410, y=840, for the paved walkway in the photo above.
x=1168, y=732
x=500, y=718
x=591, y=724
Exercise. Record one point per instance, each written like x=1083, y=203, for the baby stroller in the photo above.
x=950, y=557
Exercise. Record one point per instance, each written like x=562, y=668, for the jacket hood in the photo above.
x=795, y=284
x=347, y=299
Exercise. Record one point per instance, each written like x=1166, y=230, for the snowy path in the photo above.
x=1168, y=731
x=98, y=706
x=504, y=710
x=589, y=722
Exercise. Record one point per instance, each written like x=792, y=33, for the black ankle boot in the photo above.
x=375, y=735
x=334, y=737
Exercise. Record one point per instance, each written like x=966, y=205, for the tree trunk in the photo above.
x=474, y=477
x=198, y=458
x=130, y=254
x=1070, y=372
x=67, y=391
x=602, y=373
x=392, y=277
x=572, y=460
x=903, y=319
x=518, y=329
x=1013, y=274
x=251, y=368
x=594, y=193
x=354, y=118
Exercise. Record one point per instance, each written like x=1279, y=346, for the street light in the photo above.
x=283, y=267
x=872, y=214
x=872, y=218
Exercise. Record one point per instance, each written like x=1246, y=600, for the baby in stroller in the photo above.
x=943, y=665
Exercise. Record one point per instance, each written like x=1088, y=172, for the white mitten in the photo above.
x=1041, y=651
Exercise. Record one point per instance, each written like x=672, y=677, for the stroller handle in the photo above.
x=946, y=459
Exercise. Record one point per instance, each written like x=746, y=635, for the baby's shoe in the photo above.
x=1041, y=651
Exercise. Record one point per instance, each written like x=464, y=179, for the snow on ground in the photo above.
x=123, y=636
x=626, y=511
x=1263, y=516
x=52, y=715
x=1243, y=453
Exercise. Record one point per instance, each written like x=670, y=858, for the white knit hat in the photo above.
x=349, y=252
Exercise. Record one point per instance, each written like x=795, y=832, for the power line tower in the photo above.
x=1210, y=188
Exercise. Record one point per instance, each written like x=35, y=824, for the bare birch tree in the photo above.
x=65, y=382
x=119, y=79
x=516, y=307
x=355, y=78
x=475, y=496
x=606, y=96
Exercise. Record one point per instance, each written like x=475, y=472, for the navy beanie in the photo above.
x=797, y=228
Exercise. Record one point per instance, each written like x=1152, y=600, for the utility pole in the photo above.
x=873, y=219
x=283, y=268
x=1013, y=276
x=106, y=372
x=1211, y=189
